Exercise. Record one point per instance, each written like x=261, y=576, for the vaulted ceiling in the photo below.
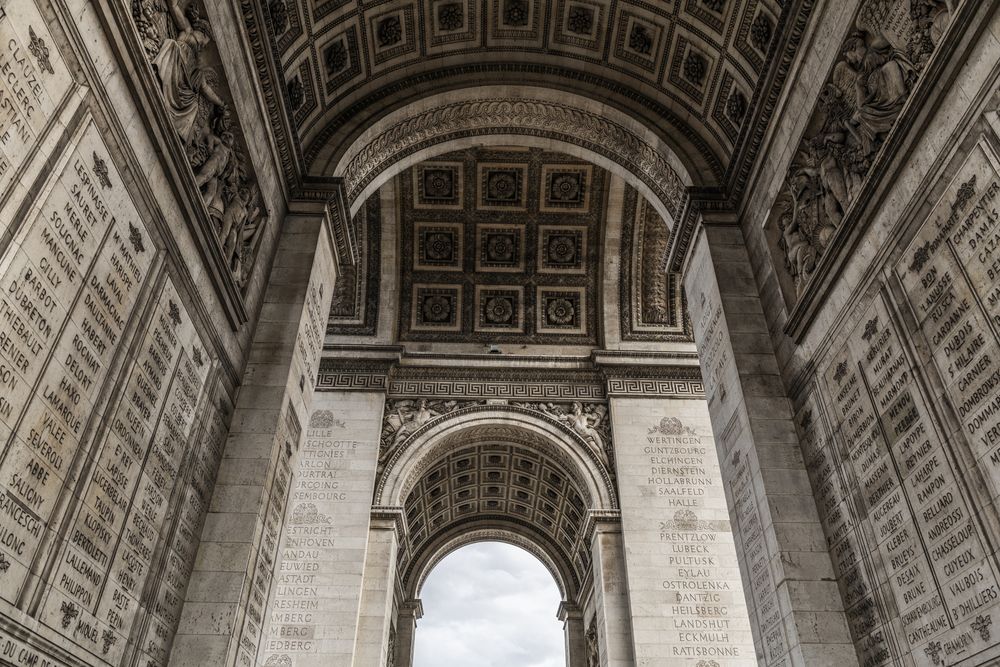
x=689, y=69
x=498, y=485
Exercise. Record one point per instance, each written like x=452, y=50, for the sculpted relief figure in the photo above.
x=405, y=417
x=878, y=68
x=176, y=39
x=589, y=421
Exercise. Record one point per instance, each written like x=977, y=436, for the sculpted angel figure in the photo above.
x=582, y=422
x=186, y=85
x=411, y=416
x=241, y=222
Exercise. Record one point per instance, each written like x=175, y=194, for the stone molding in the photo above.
x=600, y=519
x=525, y=116
x=654, y=382
x=353, y=375
x=389, y=517
x=489, y=384
x=654, y=387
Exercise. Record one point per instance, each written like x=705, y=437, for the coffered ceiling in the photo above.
x=501, y=245
x=689, y=68
x=499, y=485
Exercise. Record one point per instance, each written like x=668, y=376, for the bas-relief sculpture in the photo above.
x=879, y=65
x=177, y=39
x=899, y=433
x=404, y=417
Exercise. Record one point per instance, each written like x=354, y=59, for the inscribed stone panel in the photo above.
x=684, y=581
x=313, y=611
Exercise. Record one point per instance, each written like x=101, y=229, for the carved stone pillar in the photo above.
x=224, y=610
x=611, y=617
x=409, y=613
x=796, y=612
x=685, y=593
x=375, y=615
x=314, y=612
x=575, y=633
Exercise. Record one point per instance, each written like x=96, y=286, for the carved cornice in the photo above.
x=389, y=517
x=596, y=519
x=330, y=192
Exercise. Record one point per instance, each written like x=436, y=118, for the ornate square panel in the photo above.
x=391, y=34
x=533, y=218
x=450, y=22
x=438, y=185
x=579, y=23
x=436, y=308
x=565, y=188
x=753, y=38
x=500, y=248
x=640, y=40
x=285, y=21
x=438, y=246
x=691, y=68
x=731, y=105
x=500, y=308
x=561, y=310
x=562, y=249
x=340, y=60
x=516, y=20
x=301, y=91
x=502, y=187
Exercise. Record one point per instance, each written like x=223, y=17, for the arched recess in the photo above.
x=494, y=472
x=495, y=423
x=511, y=115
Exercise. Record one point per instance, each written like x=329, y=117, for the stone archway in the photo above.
x=500, y=472
x=506, y=115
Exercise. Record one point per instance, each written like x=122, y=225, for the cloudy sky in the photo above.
x=490, y=605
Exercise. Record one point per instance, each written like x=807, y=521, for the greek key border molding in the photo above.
x=352, y=375
x=660, y=382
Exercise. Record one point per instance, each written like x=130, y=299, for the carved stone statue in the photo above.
x=177, y=39
x=799, y=254
x=879, y=65
x=881, y=78
x=186, y=83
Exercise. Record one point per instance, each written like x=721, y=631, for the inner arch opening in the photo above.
x=489, y=604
